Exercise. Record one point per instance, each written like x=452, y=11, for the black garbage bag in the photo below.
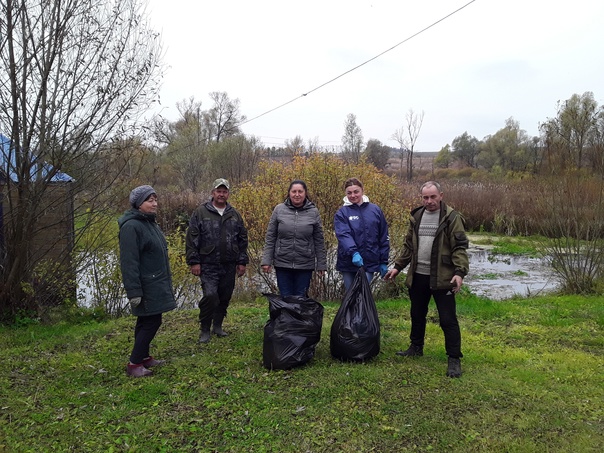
x=355, y=332
x=292, y=332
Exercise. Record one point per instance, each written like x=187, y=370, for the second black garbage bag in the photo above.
x=355, y=332
x=292, y=332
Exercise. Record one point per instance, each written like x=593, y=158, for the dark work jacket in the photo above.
x=144, y=263
x=213, y=238
x=449, y=255
x=294, y=238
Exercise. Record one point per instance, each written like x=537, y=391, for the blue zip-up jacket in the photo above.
x=361, y=228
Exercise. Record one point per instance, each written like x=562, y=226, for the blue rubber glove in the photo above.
x=357, y=259
x=383, y=269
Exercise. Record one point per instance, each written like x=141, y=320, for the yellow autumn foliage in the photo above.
x=324, y=175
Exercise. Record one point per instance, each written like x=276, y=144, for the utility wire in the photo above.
x=362, y=64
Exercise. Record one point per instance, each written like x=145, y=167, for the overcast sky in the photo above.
x=492, y=60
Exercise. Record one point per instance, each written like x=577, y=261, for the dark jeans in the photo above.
x=420, y=294
x=144, y=331
x=349, y=278
x=293, y=282
x=217, y=284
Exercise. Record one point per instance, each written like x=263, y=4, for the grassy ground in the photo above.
x=533, y=382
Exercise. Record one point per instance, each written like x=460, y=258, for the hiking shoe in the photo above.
x=412, y=351
x=137, y=370
x=454, y=367
x=151, y=362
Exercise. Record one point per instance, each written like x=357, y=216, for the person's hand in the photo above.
x=196, y=269
x=357, y=259
x=391, y=274
x=135, y=302
x=266, y=268
x=240, y=270
x=456, y=281
x=383, y=269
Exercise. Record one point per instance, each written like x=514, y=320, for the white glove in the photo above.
x=135, y=302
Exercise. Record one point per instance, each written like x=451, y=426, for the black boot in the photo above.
x=217, y=328
x=412, y=351
x=454, y=367
x=204, y=335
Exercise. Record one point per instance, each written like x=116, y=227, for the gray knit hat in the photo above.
x=139, y=195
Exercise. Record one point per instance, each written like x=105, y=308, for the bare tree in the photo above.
x=185, y=141
x=400, y=137
x=294, y=146
x=76, y=76
x=406, y=137
x=312, y=145
x=235, y=158
x=224, y=118
x=352, y=140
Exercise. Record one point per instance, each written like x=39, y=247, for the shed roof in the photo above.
x=46, y=168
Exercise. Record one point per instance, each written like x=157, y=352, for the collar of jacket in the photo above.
x=307, y=204
x=348, y=203
x=419, y=211
x=210, y=206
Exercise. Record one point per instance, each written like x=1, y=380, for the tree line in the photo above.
x=574, y=138
x=77, y=79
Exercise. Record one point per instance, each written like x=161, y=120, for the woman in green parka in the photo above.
x=146, y=275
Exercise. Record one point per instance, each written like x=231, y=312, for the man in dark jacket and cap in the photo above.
x=216, y=251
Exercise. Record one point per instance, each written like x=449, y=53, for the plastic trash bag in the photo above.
x=355, y=332
x=292, y=332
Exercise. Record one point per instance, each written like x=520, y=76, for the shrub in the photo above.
x=325, y=175
x=574, y=221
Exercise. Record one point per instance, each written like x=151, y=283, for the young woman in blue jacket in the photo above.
x=362, y=234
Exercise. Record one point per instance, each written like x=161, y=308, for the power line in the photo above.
x=362, y=64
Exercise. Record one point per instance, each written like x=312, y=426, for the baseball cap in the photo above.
x=221, y=182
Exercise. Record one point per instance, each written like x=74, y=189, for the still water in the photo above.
x=500, y=277
x=497, y=277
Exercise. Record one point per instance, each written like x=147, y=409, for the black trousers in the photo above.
x=217, y=284
x=420, y=294
x=144, y=332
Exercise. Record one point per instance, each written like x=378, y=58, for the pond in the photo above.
x=500, y=277
x=492, y=275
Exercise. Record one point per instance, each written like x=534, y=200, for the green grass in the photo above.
x=533, y=374
x=506, y=245
x=488, y=276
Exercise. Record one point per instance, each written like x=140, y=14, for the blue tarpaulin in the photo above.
x=46, y=168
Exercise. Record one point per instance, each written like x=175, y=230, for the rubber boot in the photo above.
x=454, y=367
x=412, y=351
x=204, y=335
x=217, y=328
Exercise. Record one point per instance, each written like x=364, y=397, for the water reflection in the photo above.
x=500, y=277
